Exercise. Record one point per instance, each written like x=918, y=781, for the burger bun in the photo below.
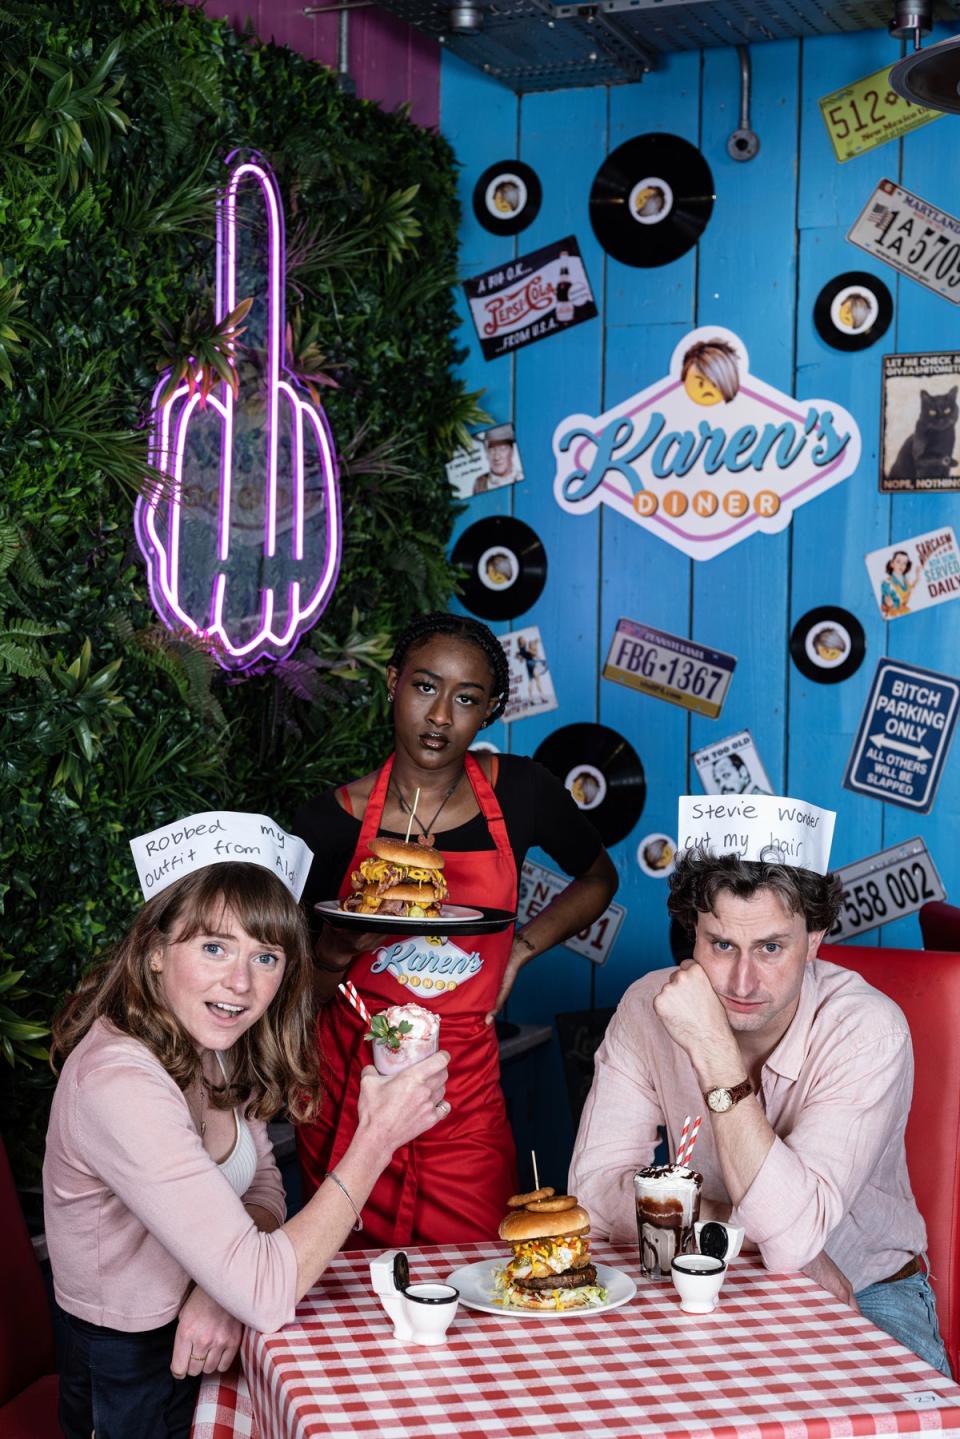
x=522, y=1224
x=412, y=856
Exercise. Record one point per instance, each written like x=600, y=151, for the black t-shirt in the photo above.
x=537, y=810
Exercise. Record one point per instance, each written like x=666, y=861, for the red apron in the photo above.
x=451, y=1184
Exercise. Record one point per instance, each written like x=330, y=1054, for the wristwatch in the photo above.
x=721, y=1100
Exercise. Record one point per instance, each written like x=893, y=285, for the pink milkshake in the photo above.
x=402, y=1035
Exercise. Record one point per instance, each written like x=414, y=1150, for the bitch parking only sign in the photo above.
x=905, y=733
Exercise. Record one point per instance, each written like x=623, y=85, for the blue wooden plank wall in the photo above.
x=776, y=236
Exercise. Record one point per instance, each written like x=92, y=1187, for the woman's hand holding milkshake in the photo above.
x=390, y=1113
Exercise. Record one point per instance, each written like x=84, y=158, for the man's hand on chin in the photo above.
x=691, y=1013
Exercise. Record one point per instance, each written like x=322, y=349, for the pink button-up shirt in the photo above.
x=836, y=1091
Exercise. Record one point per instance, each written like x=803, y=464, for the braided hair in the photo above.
x=458, y=627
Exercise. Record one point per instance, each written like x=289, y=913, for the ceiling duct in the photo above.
x=531, y=45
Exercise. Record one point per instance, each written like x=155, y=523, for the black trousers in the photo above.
x=119, y=1385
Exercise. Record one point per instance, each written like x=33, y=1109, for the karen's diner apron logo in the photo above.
x=707, y=455
x=427, y=964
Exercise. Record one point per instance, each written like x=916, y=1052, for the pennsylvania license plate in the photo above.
x=669, y=667
x=917, y=239
x=884, y=887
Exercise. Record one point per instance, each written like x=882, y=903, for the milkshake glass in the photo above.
x=668, y=1205
x=402, y=1047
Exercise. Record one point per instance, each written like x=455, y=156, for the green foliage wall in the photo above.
x=114, y=121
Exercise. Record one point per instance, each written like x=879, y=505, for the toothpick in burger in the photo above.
x=551, y=1268
x=398, y=878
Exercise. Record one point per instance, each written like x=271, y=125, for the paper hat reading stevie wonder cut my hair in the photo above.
x=758, y=827
x=215, y=837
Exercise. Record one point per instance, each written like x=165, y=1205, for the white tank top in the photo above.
x=240, y=1165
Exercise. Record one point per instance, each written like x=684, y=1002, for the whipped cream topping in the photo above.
x=423, y=1022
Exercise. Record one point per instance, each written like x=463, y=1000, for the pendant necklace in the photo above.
x=426, y=830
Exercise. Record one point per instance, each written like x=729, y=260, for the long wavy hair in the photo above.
x=275, y=1062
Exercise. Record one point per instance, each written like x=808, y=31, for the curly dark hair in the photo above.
x=458, y=627
x=699, y=877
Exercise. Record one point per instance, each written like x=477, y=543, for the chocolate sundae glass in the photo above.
x=668, y=1205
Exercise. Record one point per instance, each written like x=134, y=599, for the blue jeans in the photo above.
x=906, y=1310
x=120, y=1384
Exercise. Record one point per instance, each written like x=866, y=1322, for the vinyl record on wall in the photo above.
x=828, y=644
x=603, y=773
x=852, y=311
x=505, y=564
x=651, y=200
x=506, y=198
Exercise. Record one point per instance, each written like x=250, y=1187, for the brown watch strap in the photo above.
x=736, y=1091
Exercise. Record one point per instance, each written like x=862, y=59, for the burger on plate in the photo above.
x=400, y=879
x=551, y=1266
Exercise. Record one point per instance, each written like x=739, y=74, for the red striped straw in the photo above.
x=349, y=992
x=683, y=1155
x=683, y=1138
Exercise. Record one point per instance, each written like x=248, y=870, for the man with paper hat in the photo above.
x=803, y=1072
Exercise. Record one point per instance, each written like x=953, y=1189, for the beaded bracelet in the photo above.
x=340, y=1185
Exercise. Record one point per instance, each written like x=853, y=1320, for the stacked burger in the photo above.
x=400, y=879
x=551, y=1266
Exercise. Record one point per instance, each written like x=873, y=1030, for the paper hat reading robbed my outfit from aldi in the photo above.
x=764, y=827
x=216, y=837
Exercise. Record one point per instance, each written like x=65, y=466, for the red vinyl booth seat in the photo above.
x=940, y=925
x=28, y=1383
x=926, y=985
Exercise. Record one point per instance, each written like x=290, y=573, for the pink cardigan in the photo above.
x=135, y=1208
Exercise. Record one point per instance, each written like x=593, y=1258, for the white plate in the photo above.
x=475, y=1282
x=451, y=915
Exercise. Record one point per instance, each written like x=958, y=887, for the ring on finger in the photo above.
x=443, y=1106
x=200, y=1358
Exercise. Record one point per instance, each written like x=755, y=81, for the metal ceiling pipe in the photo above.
x=743, y=144
x=911, y=19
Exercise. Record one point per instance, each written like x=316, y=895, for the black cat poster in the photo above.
x=919, y=431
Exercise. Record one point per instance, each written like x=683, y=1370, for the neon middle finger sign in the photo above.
x=242, y=541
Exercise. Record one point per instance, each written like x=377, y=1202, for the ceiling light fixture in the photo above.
x=929, y=77
x=465, y=17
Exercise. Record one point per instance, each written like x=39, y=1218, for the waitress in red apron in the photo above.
x=448, y=676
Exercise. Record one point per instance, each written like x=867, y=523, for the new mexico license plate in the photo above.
x=868, y=113
x=884, y=887
x=917, y=239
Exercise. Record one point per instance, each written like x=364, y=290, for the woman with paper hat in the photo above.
x=448, y=677
x=164, y=1207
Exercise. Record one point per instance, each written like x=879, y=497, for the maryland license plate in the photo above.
x=884, y=887
x=914, y=237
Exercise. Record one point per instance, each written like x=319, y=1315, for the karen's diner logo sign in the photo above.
x=709, y=454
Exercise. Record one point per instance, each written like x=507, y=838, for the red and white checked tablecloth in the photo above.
x=779, y=1359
